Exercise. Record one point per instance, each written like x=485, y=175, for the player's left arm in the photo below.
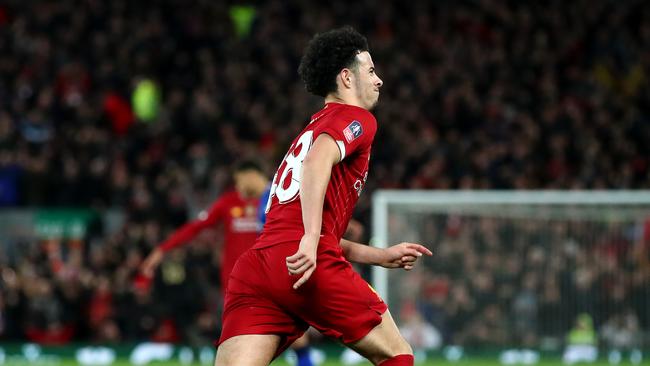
x=403, y=255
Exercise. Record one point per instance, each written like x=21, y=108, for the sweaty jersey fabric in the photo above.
x=353, y=129
x=240, y=225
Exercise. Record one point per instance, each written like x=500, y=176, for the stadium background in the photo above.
x=120, y=120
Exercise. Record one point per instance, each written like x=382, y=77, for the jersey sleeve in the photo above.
x=350, y=130
x=187, y=232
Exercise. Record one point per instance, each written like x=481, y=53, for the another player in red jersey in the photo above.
x=298, y=273
x=237, y=210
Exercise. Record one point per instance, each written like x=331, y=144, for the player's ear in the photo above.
x=345, y=76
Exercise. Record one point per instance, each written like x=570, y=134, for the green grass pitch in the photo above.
x=280, y=362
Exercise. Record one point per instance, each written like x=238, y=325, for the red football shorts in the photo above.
x=335, y=300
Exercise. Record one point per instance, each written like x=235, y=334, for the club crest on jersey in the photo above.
x=353, y=131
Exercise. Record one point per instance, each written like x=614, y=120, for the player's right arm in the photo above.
x=315, y=176
x=181, y=236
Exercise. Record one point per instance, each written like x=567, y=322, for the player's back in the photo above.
x=353, y=129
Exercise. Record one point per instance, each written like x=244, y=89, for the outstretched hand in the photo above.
x=149, y=265
x=403, y=255
x=304, y=260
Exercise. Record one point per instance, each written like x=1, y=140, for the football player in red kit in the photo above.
x=236, y=209
x=239, y=212
x=299, y=272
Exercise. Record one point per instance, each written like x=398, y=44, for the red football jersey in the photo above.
x=240, y=224
x=353, y=128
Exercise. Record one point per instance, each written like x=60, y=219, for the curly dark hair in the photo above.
x=326, y=54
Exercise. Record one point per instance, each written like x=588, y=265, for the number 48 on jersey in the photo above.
x=286, y=181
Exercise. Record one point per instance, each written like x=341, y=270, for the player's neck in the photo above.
x=343, y=99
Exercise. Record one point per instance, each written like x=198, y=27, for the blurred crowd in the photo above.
x=527, y=281
x=144, y=106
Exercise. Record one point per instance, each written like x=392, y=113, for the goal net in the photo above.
x=520, y=269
